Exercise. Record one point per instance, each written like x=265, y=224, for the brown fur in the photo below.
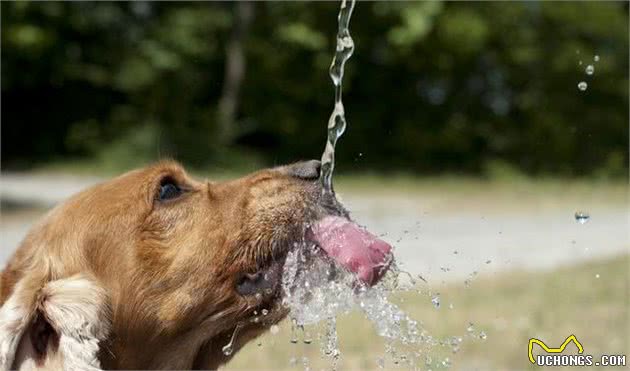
x=168, y=269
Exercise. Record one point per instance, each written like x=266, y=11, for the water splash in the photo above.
x=582, y=85
x=337, y=120
x=325, y=298
x=316, y=291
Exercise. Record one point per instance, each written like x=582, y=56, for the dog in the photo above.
x=156, y=270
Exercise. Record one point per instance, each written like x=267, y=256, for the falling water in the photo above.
x=337, y=120
x=229, y=347
x=316, y=291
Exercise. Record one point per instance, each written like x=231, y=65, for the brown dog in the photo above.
x=156, y=270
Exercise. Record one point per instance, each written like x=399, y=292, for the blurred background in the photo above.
x=470, y=145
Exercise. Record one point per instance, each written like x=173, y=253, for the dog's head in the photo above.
x=186, y=263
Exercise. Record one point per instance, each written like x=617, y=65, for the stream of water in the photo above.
x=337, y=120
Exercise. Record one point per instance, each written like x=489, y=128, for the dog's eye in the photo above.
x=168, y=190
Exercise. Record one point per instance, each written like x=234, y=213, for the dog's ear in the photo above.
x=57, y=326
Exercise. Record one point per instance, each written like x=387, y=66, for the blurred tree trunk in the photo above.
x=235, y=65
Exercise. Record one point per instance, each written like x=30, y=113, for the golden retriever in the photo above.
x=155, y=270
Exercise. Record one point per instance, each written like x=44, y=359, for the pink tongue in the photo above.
x=353, y=247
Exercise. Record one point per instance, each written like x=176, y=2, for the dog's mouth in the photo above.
x=352, y=247
x=340, y=240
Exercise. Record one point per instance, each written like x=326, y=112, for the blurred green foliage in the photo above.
x=432, y=87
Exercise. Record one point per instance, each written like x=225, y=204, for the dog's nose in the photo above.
x=307, y=170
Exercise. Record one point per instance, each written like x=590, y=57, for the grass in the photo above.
x=590, y=301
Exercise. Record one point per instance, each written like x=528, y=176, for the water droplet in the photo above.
x=274, y=329
x=307, y=338
x=582, y=85
x=259, y=344
x=596, y=58
x=580, y=63
x=265, y=312
x=229, y=347
x=227, y=350
x=470, y=328
x=428, y=360
x=589, y=69
x=455, y=252
x=454, y=343
x=380, y=362
x=597, y=275
x=294, y=338
x=450, y=306
x=436, y=301
x=482, y=335
x=446, y=362
x=581, y=217
x=305, y=364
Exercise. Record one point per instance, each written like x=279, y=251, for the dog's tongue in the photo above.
x=353, y=247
